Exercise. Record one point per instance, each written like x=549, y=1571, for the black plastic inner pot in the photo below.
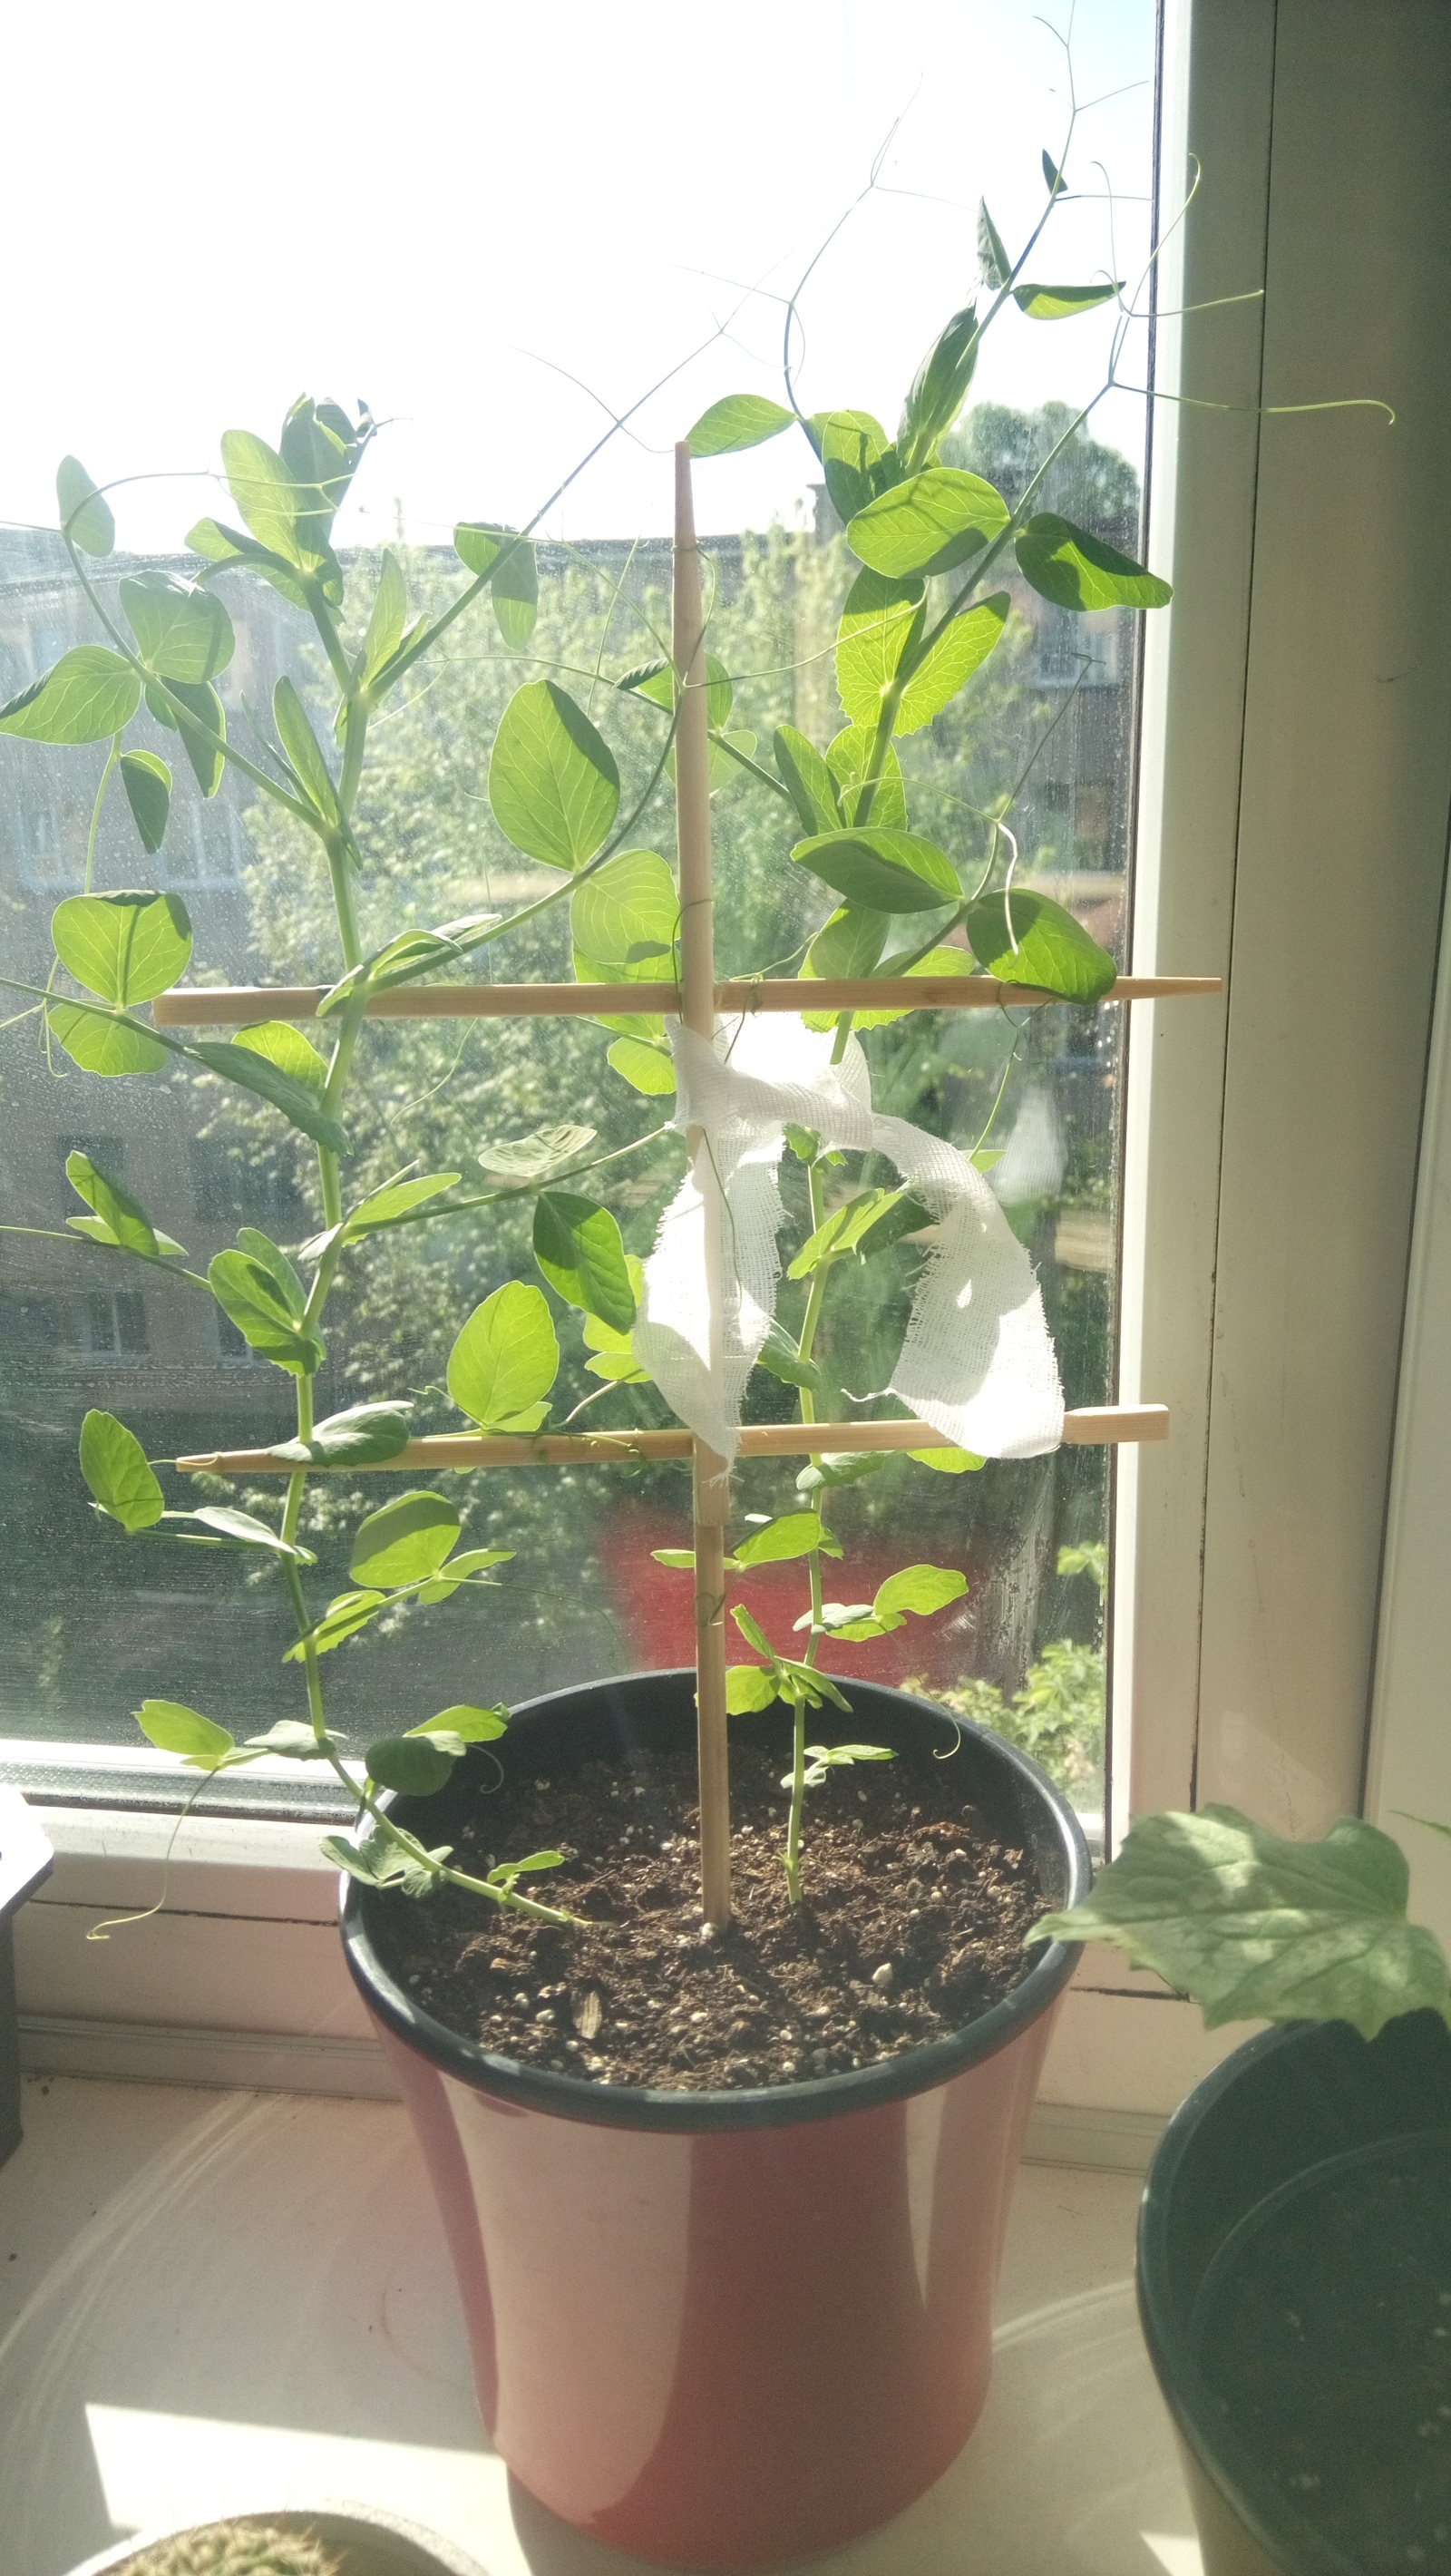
x=643, y=1713
x=1288, y=2104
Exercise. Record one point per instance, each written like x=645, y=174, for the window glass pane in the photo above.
x=96, y=1620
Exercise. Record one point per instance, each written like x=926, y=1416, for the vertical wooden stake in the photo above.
x=697, y=1010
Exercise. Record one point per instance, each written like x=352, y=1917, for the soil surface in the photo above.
x=913, y=1923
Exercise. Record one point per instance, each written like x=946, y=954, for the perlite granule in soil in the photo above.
x=914, y=1923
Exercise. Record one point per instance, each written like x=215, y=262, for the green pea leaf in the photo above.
x=147, y=781
x=749, y=1686
x=624, y=921
x=577, y=1246
x=242, y=1529
x=284, y=1046
x=405, y=1542
x=361, y=1437
x=304, y=751
x=535, y=1156
x=204, y=736
x=848, y=758
x=349, y=1613
x=367, y=1862
x=880, y=618
x=807, y=780
x=474, y=1561
x=85, y=516
x=931, y=523
x=741, y=420
x=883, y=1215
x=821, y=1758
x=779, y=1354
x=1257, y=1927
x=385, y=1207
x=1044, y=947
x=300, y=1103
x=125, y=947
x=410, y=1764
x=994, y=265
x=90, y=694
x=260, y=1292
x=506, y=1358
x=100, y=1044
x=1060, y=303
x=470, y=1725
x=646, y=1065
x=795, y=1534
x=553, y=784
x=514, y=589
x=920, y=1589
x=174, y=1728
x=938, y=961
x=264, y=492
x=226, y=550
x=386, y=618
x=181, y=630
x=117, y=1218
x=411, y=954
x=885, y=870
x=938, y=390
x=849, y=444
x=960, y=649
x=850, y=943
x=1076, y=570
x=948, y=1462
x=115, y=1467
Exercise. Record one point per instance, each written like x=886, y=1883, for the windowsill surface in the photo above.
x=216, y=2301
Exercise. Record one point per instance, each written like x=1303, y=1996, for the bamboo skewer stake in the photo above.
x=1092, y=1426
x=711, y=1473
x=219, y=1006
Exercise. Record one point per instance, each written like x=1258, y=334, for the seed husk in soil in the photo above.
x=913, y=1924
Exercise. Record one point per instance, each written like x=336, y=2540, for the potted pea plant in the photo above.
x=1295, y=2241
x=725, y=2176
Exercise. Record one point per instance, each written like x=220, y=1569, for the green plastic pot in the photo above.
x=1292, y=2101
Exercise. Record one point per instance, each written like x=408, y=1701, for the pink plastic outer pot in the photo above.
x=729, y=2330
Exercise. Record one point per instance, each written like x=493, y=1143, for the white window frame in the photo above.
x=1292, y=831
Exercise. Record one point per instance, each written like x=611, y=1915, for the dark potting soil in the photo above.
x=913, y=1923
x=1324, y=2328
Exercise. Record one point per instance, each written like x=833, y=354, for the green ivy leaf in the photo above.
x=125, y=947
x=888, y=871
x=577, y=1246
x=147, y=781
x=553, y=784
x=411, y=1764
x=880, y=618
x=740, y=421
x=960, y=649
x=1076, y=570
x=405, y=1542
x=514, y=589
x=174, y=1728
x=182, y=631
x=1257, y=1927
x=116, y=1468
x=931, y=523
x=506, y=1358
x=85, y=515
x=1045, y=947
x=363, y=1436
x=91, y=693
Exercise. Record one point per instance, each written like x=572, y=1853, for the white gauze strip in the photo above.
x=976, y=1363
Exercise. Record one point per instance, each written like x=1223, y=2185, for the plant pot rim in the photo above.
x=338, y=2525
x=776, y=2106
x=1230, y=2467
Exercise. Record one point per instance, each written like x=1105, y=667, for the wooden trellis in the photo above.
x=697, y=998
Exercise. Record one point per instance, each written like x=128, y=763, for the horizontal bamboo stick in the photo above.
x=1090, y=1427
x=235, y=1005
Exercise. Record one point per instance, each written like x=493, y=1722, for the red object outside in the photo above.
x=729, y=2350
x=654, y=1603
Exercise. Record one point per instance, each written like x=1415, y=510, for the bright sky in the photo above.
x=443, y=205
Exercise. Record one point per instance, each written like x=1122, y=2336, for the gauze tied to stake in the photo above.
x=977, y=1362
